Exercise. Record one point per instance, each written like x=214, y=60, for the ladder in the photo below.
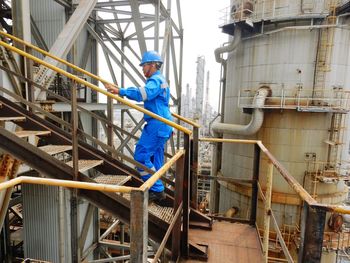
x=324, y=51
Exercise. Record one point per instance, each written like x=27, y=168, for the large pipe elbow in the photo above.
x=229, y=48
x=256, y=121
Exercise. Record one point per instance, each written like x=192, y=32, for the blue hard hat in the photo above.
x=151, y=56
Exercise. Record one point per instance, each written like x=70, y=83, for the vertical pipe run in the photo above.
x=254, y=201
x=138, y=226
x=268, y=193
x=186, y=196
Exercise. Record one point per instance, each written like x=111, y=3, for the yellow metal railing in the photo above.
x=93, y=186
x=266, y=197
x=79, y=80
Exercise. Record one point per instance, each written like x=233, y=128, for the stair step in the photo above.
x=85, y=165
x=165, y=213
x=25, y=133
x=112, y=179
x=13, y=118
x=55, y=149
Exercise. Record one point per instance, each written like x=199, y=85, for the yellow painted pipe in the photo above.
x=148, y=184
x=94, y=87
x=78, y=68
x=67, y=183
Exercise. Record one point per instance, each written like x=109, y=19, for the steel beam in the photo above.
x=65, y=41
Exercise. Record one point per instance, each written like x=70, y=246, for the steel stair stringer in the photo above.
x=53, y=168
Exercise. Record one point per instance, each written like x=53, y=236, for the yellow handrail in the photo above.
x=94, y=87
x=161, y=171
x=66, y=183
x=79, y=69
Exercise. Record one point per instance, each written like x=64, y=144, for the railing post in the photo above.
x=194, y=168
x=110, y=120
x=269, y=178
x=254, y=201
x=176, y=233
x=74, y=198
x=138, y=226
x=311, y=234
x=186, y=196
x=215, y=186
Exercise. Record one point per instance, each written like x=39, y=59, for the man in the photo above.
x=155, y=94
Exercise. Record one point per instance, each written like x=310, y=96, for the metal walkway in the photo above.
x=227, y=243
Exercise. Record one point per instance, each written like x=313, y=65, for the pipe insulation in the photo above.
x=230, y=47
x=256, y=121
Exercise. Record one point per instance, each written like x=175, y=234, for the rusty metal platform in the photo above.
x=228, y=242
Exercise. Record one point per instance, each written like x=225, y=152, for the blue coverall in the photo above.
x=150, y=148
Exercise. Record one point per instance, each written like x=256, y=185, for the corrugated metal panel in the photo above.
x=41, y=221
x=49, y=17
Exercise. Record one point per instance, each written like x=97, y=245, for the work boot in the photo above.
x=156, y=197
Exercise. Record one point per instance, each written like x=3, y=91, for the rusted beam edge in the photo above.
x=148, y=184
x=234, y=180
x=95, y=88
x=288, y=177
x=167, y=234
x=280, y=238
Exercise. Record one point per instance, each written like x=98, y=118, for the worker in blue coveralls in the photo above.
x=155, y=95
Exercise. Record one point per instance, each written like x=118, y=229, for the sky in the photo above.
x=202, y=35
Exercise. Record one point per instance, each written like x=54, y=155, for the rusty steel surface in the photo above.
x=227, y=243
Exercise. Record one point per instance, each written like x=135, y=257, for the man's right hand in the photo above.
x=111, y=88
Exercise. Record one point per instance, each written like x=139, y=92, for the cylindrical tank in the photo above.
x=302, y=54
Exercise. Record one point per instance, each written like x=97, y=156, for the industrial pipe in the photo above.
x=256, y=121
x=229, y=48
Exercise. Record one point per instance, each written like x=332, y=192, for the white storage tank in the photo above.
x=300, y=51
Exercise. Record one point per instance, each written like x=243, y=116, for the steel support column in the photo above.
x=138, y=226
x=311, y=236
